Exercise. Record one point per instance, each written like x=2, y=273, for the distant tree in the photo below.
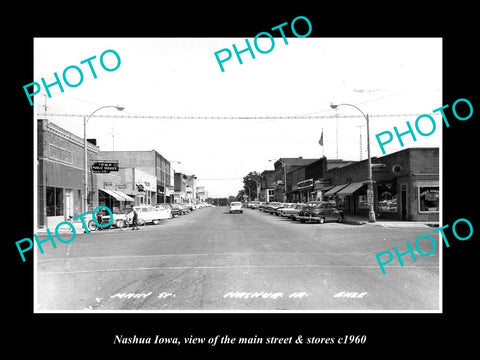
x=251, y=184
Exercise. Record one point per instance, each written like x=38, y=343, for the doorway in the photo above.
x=403, y=191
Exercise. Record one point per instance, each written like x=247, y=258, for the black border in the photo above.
x=92, y=334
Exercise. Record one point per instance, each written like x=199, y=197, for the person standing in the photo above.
x=135, y=220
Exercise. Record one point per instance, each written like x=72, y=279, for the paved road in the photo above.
x=213, y=260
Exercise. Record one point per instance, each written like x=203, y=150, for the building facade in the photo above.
x=60, y=175
x=148, y=162
x=267, y=187
x=405, y=184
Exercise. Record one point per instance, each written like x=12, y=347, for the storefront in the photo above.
x=60, y=175
x=114, y=199
x=405, y=186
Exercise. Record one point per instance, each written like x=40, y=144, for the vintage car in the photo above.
x=319, y=211
x=235, y=206
x=174, y=210
x=165, y=210
x=283, y=206
x=271, y=207
x=291, y=212
x=147, y=213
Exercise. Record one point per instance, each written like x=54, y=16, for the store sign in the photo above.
x=305, y=184
x=104, y=167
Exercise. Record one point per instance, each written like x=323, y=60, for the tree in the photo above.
x=251, y=184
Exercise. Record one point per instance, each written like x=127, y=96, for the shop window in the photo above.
x=428, y=198
x=362, y=198
x=387, y=197
x=54, y=201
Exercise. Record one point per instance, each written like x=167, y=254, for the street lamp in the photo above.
x=284, y=178
x=371, y=212
x=85, y=120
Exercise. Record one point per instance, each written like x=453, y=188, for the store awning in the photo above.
x=350, y=189
x=125, y=196
x=335, y=189
x=113, y=194
x=118, y=195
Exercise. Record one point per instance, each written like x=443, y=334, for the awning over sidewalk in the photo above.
x=118, y=195
x=350, y=189
x=127, y=198
x=335, y=189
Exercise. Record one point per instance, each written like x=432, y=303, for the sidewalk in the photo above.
x=64, y=229
x=360, y=220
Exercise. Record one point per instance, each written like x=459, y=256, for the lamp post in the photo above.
x=371, y=212
x=85, y=180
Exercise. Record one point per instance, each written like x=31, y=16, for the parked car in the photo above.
x=271, y=207
x=283, y=206
x=319, y=211
x=147, y=213
x=186, y=208
x=118, y=219
x=165, y=210
x=174, y=210
x=288, y=209
x=261, y=206
x=292, y=212
x=253, y=204
x=236, y=206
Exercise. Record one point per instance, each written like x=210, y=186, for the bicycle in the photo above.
x=129, y=223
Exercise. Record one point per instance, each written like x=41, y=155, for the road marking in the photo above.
x=227, y=267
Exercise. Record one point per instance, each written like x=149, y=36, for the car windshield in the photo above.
x=235, y=204
x=126, y=211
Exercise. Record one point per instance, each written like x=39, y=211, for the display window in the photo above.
x=428, y=199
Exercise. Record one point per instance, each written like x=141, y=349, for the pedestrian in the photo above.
x=135, y=220
x=99, y=218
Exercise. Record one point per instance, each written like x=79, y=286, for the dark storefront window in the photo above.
x=428, y=198
x=362, y=198
x=387, y=197
x=54, y=201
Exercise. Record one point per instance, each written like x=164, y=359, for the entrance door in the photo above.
x=404, y=200
x=68, y=204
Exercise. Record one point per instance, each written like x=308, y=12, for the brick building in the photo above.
x=60, y=174
x=267, y=189
x=406, y=185
x=148, y=162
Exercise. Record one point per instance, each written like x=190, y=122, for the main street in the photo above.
x=213, y=260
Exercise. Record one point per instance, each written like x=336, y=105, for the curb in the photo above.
x=397, y=224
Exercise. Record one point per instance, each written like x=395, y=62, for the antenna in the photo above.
x=361, y=152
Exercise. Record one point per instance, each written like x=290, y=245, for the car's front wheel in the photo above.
x=119, y=223
x=322, y=220
x=156, y=221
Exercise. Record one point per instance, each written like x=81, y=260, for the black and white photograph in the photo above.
x=209, y=175
x=262, y=181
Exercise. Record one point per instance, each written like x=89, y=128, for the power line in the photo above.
x=270, y=117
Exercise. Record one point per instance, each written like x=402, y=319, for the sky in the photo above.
x=175, y=77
